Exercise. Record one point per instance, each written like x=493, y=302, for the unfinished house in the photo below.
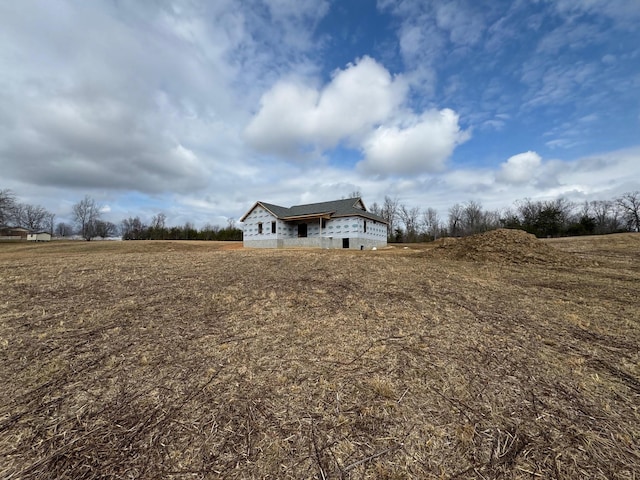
x=336, y=224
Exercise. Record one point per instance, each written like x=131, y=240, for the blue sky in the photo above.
x=198, y=109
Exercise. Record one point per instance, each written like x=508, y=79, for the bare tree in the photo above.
x=85, y=214
x=410, y=218
x=104, y=229
x=472, y=218
x=49, y=222
x=529, y=213
x=157, y=228
x=544, y=219
x=7, y=206
x=63, y=229
x=17, y=214
x=565, y=207
x=158, y=221
x=132, y=229
x=616, y=216
x=390, y=212
x=600, y=211
x=491, y=220
x=630, y=205
x=375, y=209
x=509, y=218
x=431, y=222
x=355, y=194
x=455, y=220
x=31, y=217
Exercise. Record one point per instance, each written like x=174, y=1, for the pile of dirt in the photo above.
x=503, y=246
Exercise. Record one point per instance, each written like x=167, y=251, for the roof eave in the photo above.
x=325, y=215
x=253, y=207
x=249, y=211
x=364, y=214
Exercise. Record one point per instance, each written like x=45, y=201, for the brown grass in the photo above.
x=192, y=360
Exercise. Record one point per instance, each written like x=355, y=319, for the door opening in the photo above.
x=302, y=230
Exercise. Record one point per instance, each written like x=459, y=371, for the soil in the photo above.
x=497, y=356
x=504, y=246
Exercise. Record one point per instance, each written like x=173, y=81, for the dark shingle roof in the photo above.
x=277, y=210
x=335, y=208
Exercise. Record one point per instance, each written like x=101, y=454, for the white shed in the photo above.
x=39, y=237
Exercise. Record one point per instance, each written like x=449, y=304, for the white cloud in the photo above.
x=430, y=34
x=552, y=84
x=493, y=124
x=626, y=12
x=295, y=117
x=411, y=41
x=421, y=43
x=157, y=118
x=421, y=144
x=364, y=107
x=570, y=36
x=560, y=143
x=464, y=26
x=519, y=169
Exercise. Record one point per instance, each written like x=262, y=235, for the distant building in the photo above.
x=334, y=224
x=39, y=237
x=13, y=233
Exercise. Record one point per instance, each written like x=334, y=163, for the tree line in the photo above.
x=543, y=218
x=87, y=218
x=133, y=228
x=88, y=223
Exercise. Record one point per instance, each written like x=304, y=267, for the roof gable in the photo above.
x=276, y=210
x=334, y=208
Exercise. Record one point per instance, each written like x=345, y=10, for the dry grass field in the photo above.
x=497, y=356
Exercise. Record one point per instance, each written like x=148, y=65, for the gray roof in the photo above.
x=277, y=210
x=334, y=208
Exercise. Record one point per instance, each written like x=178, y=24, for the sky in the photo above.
x=198, y=109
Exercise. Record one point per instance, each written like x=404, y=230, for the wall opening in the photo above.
x=302, y=230
x=345, y=243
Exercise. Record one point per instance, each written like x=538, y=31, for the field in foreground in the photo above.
x=496, y=357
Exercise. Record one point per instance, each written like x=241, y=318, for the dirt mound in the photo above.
x=503, y=246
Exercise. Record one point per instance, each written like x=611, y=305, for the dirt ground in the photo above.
x=496, y=356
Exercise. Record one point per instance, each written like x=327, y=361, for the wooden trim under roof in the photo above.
x=253, y=208
x=248, y=212
x=326, y=216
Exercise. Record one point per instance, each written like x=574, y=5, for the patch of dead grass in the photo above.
x=172, y=360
